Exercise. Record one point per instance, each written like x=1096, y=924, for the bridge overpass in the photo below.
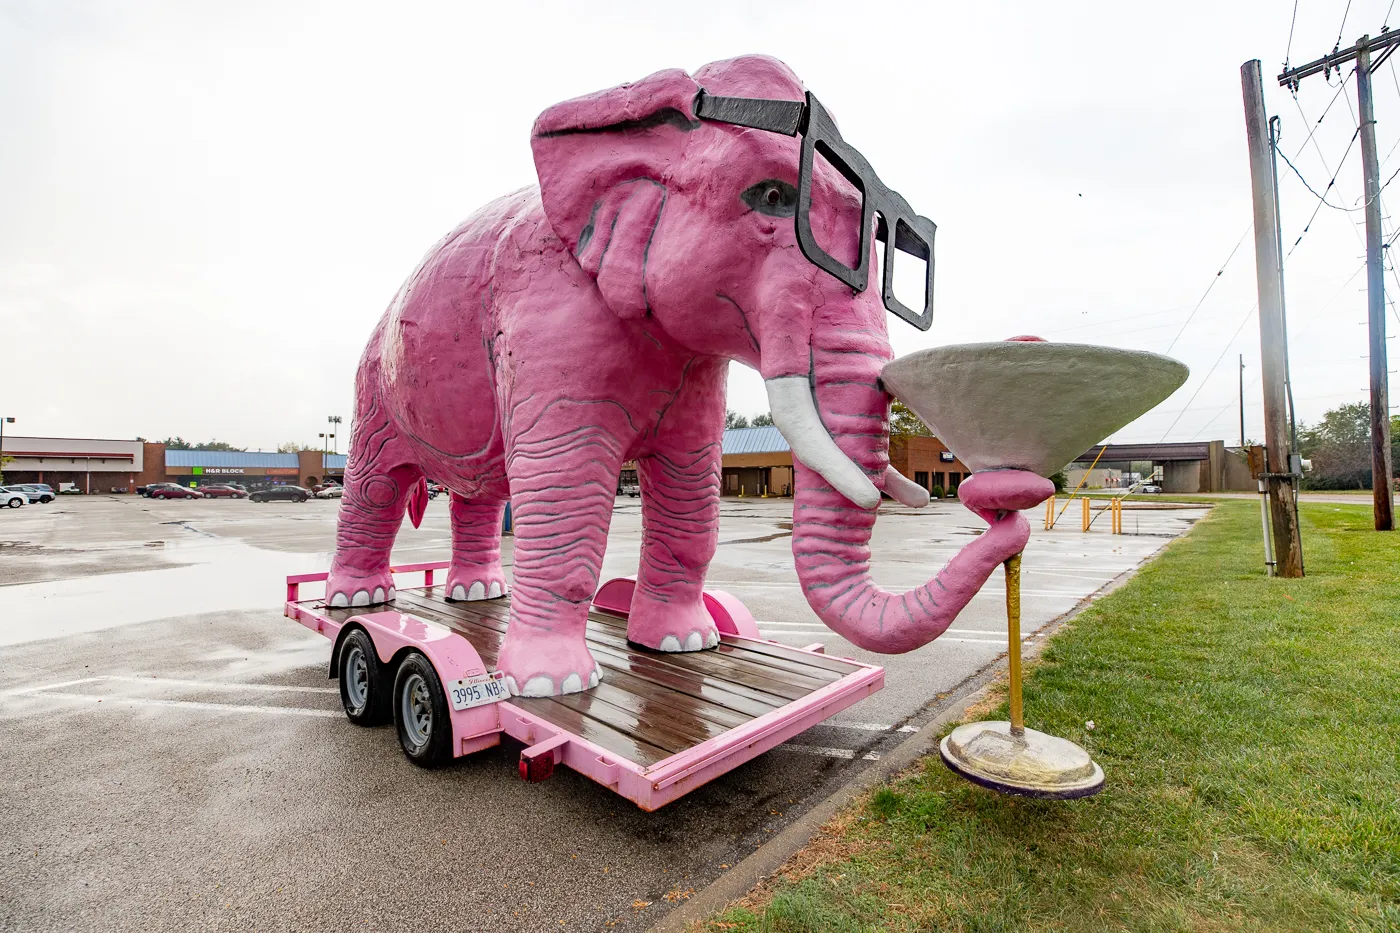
x=1193, y=466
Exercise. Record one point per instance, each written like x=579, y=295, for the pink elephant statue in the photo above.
x=566, y=328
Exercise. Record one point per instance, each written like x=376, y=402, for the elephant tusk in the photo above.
x=905, y=491
x=795, y=414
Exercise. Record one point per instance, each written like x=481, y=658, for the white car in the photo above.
x=14, y=497
x=331, y=492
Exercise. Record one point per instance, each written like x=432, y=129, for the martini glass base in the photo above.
x=1031, y=764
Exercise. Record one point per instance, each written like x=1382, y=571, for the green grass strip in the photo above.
x=1250, y=732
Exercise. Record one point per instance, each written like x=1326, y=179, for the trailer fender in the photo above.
x=731, y=616
x=396, y=633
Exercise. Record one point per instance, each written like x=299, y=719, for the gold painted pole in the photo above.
x=1013, y=638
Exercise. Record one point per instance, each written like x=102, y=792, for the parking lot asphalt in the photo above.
x=175, y=757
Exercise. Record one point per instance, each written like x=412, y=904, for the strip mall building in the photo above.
x=105, y=466
x=757, y=461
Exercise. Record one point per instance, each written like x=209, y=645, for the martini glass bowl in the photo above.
x=1026, y=405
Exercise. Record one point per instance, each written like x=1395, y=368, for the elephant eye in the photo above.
x=773, y=197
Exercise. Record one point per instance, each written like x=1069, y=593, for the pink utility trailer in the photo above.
x=657, y=727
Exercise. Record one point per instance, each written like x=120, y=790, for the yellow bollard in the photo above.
x=1117, y=516
x=1050, y=513
x=1013, y=644
x=1087, y=519
x=741, y=492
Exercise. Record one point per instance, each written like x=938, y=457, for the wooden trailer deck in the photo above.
x=659, y=725
x=650, y=705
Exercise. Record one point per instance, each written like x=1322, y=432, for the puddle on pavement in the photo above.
x=224, y=576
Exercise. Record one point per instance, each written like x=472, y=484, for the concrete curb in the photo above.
x=772, y=855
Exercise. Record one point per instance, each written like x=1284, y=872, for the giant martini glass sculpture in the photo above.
x=1025, y=404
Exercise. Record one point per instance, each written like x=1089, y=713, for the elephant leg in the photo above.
x=680, y=529
x=563, y=471
x=378, y=480
x=476, y=549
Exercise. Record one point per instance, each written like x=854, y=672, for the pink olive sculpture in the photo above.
x=566, y=328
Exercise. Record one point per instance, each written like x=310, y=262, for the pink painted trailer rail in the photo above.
x=657, y=727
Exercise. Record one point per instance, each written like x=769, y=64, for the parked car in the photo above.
x=222, y=491
x=330, y=492
x=281, y=494
x=42, y=491
x=152, y=487
x=631, y=489
x=172, y=491
x=13, y=498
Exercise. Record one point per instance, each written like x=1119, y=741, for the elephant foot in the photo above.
x=347, y=587
x=469, y=582
x=670, y=626
x=544, y=664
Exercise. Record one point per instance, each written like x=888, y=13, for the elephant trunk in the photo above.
x=831, y=533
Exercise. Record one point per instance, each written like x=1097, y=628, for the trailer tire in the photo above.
x=421, y=715
x=364, y=690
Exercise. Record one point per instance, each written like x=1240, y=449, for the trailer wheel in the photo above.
x=364, y=691
x=420, y=713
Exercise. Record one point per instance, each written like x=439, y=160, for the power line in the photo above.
x=1320, y=202
x=1218, y=274
x=1291, y=23
x=1322, y=198
x=1326, y=110
x=1210, y=372
x=1341, y=29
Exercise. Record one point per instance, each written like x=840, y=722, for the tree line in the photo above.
x=1339, y=446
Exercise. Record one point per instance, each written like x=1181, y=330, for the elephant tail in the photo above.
x=418, y=502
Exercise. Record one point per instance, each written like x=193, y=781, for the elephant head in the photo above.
x=704, y=226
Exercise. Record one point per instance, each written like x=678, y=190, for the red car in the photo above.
x=172, y=491
x=222, y=491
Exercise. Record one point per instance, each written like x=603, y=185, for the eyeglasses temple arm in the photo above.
x=775, y=116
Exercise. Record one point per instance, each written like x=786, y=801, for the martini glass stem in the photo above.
x=1013, y=642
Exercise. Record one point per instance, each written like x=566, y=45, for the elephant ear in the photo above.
x=603, y=162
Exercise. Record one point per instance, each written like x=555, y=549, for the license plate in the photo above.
x=478, y=691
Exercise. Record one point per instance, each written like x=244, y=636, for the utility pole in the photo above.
x=1382, y=499
x=1241, y=401
x=1279, y=478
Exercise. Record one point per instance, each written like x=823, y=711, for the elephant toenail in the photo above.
x=593, y=679
x=510, y=686
x=693, y=642
x=477, y=591
x=459, y=592
x=340, y=600
x=378, y=594
x=670, y=643
x=538, y=686
x=572, y=684
x=713, y=640
x=361, y=598
x=494, y=591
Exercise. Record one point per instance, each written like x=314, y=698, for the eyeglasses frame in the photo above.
x=913, y=234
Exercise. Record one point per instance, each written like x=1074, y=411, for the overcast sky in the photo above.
x=205, y=207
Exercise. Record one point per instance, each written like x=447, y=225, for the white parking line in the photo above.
x=828, y=752
x=21, y=691
x=218, y=685
x=863, y=726
x=190, y=704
